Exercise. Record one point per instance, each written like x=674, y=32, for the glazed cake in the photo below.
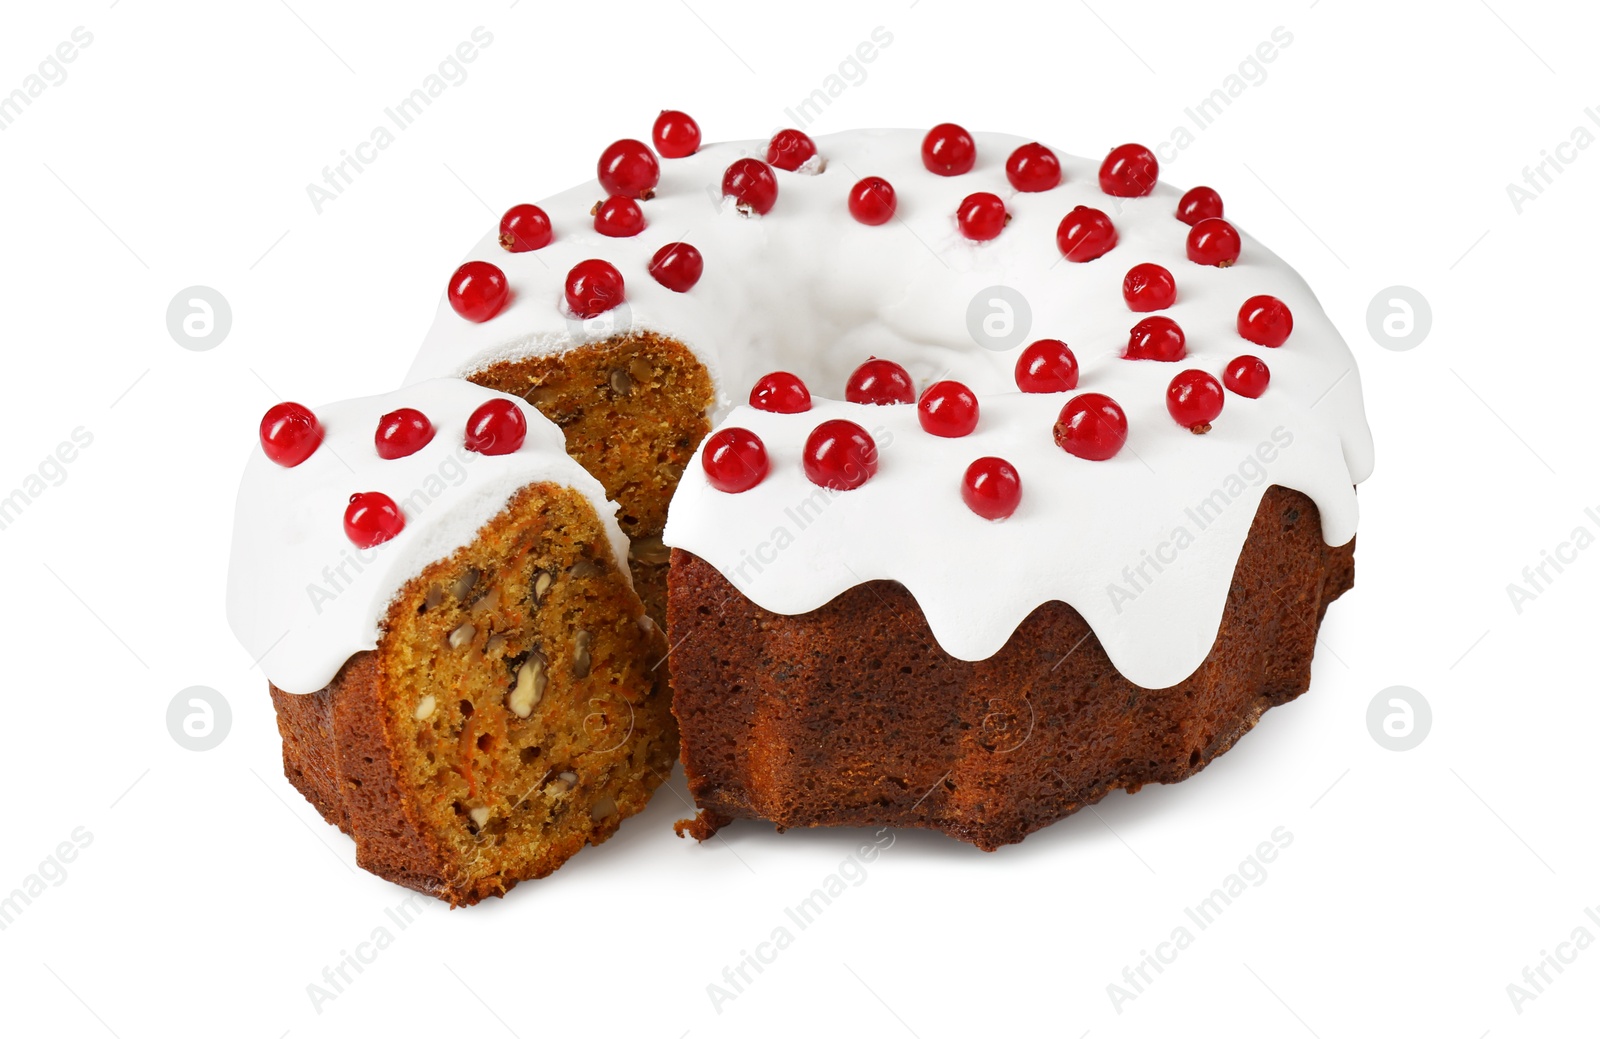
x=1064, y=515
x=1072, y=527
x=465, y=680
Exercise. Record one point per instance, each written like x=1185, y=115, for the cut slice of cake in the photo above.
x=465, y=680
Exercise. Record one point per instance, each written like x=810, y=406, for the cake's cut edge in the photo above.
x=512, y=713
x=633, y=408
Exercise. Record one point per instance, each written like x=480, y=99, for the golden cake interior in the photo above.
x=526, y=683
x=633, y=408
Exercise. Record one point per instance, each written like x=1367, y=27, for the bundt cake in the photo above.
x=971, y=481
x=962, y=614
x=465, y=680
x=1157, y=403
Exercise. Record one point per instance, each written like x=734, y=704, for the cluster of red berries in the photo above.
x=1090, y=425
x=1131, y=171
x=290, y=434
x=1194, y=397
x=596, y=286
x=1093, y=426
x=841, y=455
x=751, y=183
x=628, y=172
x=990, y=487
x=1085, y=233
x=1263, y=320
x=1212, y=241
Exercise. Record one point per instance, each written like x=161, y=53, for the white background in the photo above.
x=1376, y=152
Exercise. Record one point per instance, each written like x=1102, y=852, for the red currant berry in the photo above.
x=629, y=167
x=872, y=201
x=781, y=392
x=403, y=432
x=593, y=287
x=1149, y=286
x=1155, y=339
x=1033, y=167
x=880, y=382
x=948, y=150
x=1130, y=171
x=1047, y=366
x=478, y=290
x=678, y=266
x=1199, y=204
x=290, y=433
x=982, y=216
x=676, y=135
x=751, y=185
x=524, y=228
x=372, y=518
x=948, y=409
x=992, y=488
x=1214, y=243
x=618, y=217
x=1085, y=234
x=1092, y=426
x=734, y=460
x=1247, y=376
x=790, y=149
x=1194, y=400
x=497, y=427
x=1265, y=320
x=840, y=455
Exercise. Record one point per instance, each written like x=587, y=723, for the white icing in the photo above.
x=806, y=288
x=296, y=612
x=790, y=546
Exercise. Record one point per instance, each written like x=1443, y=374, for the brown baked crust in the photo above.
x=852, y=715
x=421, y=749
x=338, y=753
x=633, y=408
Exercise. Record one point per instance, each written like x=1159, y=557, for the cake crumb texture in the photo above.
x=633, y=408
x=513, y=712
